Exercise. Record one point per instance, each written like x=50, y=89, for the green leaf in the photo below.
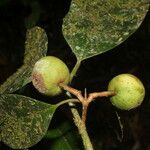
x=93, y=27
x=35, y=48
x=24, y=120
x=58, y=131
x=68, y=141
x=20, y=78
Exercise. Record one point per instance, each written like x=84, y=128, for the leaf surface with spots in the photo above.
x=94, y=27
x=24, y=121
x=35, y=48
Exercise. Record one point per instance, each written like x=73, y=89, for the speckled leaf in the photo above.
x=95, y=26
x=35, y=48
x=24, y=120
x=20, y=78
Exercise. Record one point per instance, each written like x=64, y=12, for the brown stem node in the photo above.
x=73, y=91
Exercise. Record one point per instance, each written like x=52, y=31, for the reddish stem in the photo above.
x=73, y=91
x=84, y=112
x=94, y=95
x=86, y=100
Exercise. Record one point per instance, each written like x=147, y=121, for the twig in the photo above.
x=84, y=112
x=94, y=95
x=68, y=101
x=77, y=120
x=86, y=100
x=81, y=128
x=73, y=91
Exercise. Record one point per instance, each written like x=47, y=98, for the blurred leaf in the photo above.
x=68, y=141
x=25, y=120
x=35, y=48
x=59, y=131
x=93, y=27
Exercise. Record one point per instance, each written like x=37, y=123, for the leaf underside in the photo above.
x=24, y=121
x=93, y=27
x=35, y=48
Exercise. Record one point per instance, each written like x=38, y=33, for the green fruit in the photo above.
x=129, y=90
x=47, y=73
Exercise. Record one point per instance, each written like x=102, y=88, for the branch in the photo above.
x=94, y=95
x=73, y=91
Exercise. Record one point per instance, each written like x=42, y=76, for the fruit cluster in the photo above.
x=50, y=71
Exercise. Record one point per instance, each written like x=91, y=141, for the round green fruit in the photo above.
x=129, y=91
x=47, y=73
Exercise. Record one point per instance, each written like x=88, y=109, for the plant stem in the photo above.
x=77, y=119
x=80, y=123
x=75, y=69
x=73, y=91
x=84, y=112
x=81, y=128
x=67, y=101
x=94, y=95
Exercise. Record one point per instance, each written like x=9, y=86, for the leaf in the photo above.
x=93, y=27
x=36, y=47
x=25, y=120
x=68, y=141
x=20, y=78
x=58, y=131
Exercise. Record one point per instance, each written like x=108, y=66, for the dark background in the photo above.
x=132, y=56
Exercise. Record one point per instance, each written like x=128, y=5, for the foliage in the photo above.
x=24, y=120
x=35, y=48
x=90, y=28
x=93, y=27
x=64, y=137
